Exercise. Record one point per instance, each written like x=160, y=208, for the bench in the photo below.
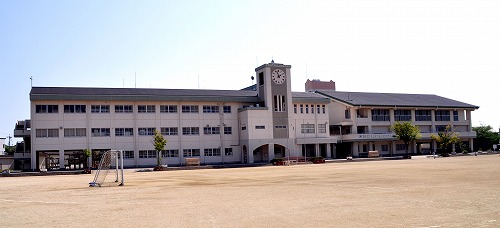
x=192, y=161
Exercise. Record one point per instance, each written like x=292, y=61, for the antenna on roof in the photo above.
x=31, y=79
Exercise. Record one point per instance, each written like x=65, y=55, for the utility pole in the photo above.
x=10, y=138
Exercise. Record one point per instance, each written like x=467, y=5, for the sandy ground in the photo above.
x=443, y=192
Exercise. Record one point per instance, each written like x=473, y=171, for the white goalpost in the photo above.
x=110, y=170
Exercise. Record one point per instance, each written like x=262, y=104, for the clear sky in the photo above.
x=449, y=48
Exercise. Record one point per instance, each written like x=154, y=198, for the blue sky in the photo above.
x=446, y=47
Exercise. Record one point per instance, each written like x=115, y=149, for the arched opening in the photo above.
x=280, y=151
x=261, y=154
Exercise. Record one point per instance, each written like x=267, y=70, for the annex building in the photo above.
x=252, y=125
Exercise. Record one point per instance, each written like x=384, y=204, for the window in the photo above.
x=400, y=147
x=212, y=152
x=243, y=128
x=124, y=131
x=384, y=148
x=146, y=108
x=210, y=109
x=168, y=108
x=455, y=115
x=124, y=109
x=100, y=132
x=280, y=126
x=347, y=114
x=380, y=115
x=46, y=108
x=169, y=131
x=402, y=115
x=228, y=151
x=228, y=130
x=422, y=115
x=227, y=109
x=318, y=109
x=189, y=109
x=75, y=108
x=170, y=153
x=440, y=128
x=442, y=115
x=321, y=128
x=211, y=130
x=128, y=154
x=261, y=78
x=190, y=130
x=75, y=132
x=324, y=108
x=307, y=108
x=147, y=131
x=260, y=127
x=147, y=154
x=307, y=128
x=191, y=152
x=99, y=108
x=301, y=108
x=312, y=109
x=279, y=103
x=47, y=133
x=295, y=108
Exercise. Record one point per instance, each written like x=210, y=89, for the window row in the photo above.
x=148, y=131
x=310, y=128
x=420, y=115
x=306, y=108
x=130, y=109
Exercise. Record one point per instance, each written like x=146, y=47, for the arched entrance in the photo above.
x=261, y=154
x=280, y=151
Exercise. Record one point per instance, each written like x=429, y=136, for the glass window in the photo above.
x=168, y=108
x=99, y=108
x=402, y=115
x=147, y=131
x=169, y=131
x=189, y=109
x=146, y=108
x=380, y=115
x=124, y=109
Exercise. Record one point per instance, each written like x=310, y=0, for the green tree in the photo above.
x=485, y=137
x=86, y=154
x=10, y=150
x=159, y=143
x=445, y=139
x=406, y=132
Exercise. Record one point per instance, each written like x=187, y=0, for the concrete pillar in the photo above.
x=355, y=149
x=453, y=148
x=393, y=147
x=471, y=145
x=62, y=161
x=414, y=147
x=328, y=150
x=370, y=146
x=434, y=146
x=316, y=150
x=271, y=151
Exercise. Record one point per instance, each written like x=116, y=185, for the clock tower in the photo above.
x=274, y=89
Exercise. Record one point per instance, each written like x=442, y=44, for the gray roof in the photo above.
x=394, y=100
x=140, y=94
x=305, y=97
x=144, y=94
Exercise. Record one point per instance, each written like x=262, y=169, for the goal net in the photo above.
x=110, y=170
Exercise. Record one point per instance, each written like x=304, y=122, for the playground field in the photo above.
x=444, y=192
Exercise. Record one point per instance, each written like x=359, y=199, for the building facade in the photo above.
x=252, y=125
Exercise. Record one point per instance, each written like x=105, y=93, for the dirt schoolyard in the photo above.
x=445, y=192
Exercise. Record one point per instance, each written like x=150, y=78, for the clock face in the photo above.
x=278, y=76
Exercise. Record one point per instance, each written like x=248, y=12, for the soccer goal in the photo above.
x=110, y=170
